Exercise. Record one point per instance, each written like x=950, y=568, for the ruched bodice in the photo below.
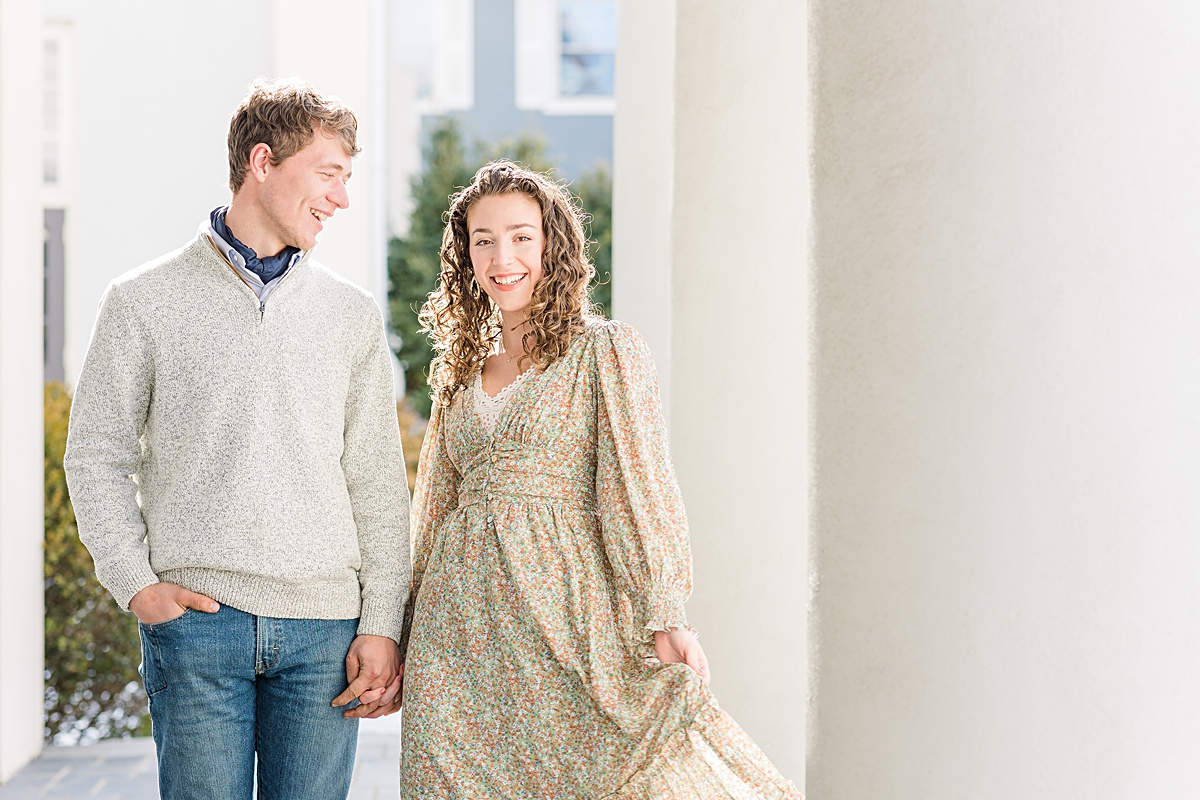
x=506, y=471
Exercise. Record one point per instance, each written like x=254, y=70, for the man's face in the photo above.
x=304, y=191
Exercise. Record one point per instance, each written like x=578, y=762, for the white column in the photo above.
x=739, y=344
x=643, y=176
x=342, y=51
x=21, y=471
x=1006, y=400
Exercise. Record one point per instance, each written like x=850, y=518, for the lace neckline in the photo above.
x=490, y=408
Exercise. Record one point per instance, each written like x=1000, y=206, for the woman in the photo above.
x=547, y=651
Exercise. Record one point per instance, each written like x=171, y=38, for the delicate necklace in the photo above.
x=501, y=350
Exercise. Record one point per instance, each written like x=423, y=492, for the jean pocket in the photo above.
x=153, y=676
x=158, y=626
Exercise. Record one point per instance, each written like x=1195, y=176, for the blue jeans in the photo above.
x=224, y=687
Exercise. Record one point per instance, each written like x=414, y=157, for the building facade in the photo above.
x=544, y=67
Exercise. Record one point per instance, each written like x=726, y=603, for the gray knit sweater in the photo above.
x=263, y=441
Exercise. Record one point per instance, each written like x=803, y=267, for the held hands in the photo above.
x=681, y=647
x=376, y=678
x=162, y=602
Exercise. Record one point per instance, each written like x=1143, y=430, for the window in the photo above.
x=54, y=293
x=453, y=81
x=566, y=56
x=588, y=48
x=51, y=77
x=56, y=72
x=57, y=88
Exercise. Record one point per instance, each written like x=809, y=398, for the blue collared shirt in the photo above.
x=261, y=273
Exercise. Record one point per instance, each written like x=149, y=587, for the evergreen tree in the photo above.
x=414, y=261
x=594, y=190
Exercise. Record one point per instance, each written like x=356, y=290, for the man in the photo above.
x=248, y=391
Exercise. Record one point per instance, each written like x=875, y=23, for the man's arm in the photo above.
x=108, y=414
x=373, y=464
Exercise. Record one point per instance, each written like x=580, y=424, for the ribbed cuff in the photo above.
x=381, y=618
x=123, y=581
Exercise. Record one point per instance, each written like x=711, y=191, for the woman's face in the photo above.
x=506, y=248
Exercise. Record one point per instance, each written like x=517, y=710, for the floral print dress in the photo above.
x=546, y=552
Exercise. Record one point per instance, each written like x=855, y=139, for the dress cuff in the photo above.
x=666, y=615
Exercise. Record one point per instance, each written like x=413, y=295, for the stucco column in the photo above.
x=1006, y=400
x=739, y=344
x=21, y=481
x=643, y=176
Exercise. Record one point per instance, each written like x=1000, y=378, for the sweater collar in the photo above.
x=247, y=262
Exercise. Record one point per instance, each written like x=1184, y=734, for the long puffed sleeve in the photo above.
x=641, y=511
x=435, y=496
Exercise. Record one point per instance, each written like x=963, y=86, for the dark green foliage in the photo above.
x=414, y=263
x=527, y=150
x=92, y=649
x=594, y=190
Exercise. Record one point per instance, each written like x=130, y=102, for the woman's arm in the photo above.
x=641, y=510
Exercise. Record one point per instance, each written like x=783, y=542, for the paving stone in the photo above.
x=126, y=769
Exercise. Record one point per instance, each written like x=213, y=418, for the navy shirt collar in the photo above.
x=267, y=269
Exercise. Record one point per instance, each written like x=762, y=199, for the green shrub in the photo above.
x=92, y=649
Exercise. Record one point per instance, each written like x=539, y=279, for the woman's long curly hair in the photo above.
x=461, y=320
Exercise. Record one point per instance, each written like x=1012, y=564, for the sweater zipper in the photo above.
x=262, y=304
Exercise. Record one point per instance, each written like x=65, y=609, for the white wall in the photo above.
x=1006, y=400
x=21, y=484
x=710, y=261
x=739, y=371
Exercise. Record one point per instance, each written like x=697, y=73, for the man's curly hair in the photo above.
x=461, y=320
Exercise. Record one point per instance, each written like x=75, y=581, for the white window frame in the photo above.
x=57, y=194
x=452, y=83
x=539, y=64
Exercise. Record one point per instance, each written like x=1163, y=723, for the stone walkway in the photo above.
x=125, y=769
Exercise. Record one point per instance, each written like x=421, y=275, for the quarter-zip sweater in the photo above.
x=263, y=440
